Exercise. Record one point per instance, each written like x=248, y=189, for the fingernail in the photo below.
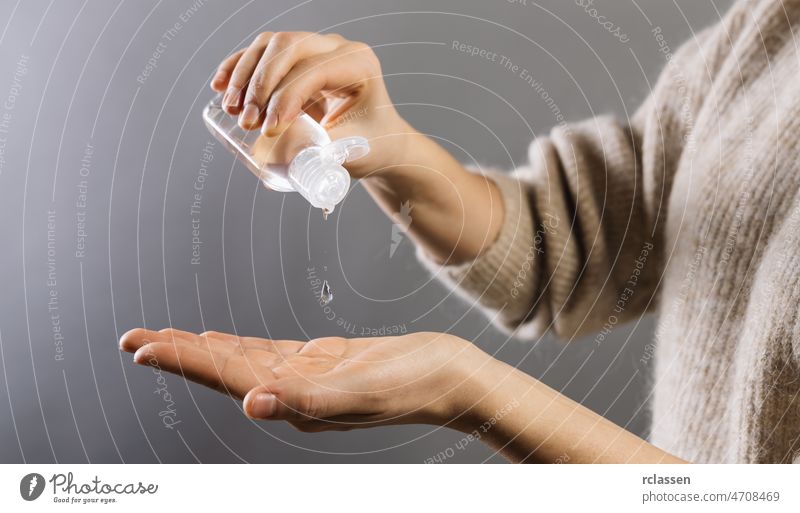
x=249, y=117
x=263, y=406
x=231, y=98
x=271, y=121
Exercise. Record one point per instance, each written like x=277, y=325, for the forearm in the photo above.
x=528, y=421
x=455, y=214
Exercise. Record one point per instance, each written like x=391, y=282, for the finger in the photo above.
x=282, y=348
x=257, y=352
x=226, y=342
x=300, y=366
x=284, y=50
x=137, y=337
x=172, y=334
x=133, y=339
x=226, y=373
x=300, y=398
x=221, y=78
x=193, y=363
x=232, y=101
x=316, y=107
x=218, y=340
x=342, y=69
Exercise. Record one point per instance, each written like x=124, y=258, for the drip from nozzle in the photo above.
x=317, y=173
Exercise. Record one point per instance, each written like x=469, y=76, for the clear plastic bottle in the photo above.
x=302, y=158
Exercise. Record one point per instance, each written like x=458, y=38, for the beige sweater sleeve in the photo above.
x=578, y=250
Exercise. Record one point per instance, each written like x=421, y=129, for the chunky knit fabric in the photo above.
x=690, y=210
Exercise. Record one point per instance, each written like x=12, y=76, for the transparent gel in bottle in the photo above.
x=302, y=158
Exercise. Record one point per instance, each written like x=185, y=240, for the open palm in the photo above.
x=326, y=383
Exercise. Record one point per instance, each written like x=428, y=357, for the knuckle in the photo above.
x=263, y=38
x=222, y=367
x=238, y=79
x=284, y=40
x=376, y=400
x=180, y=354
x=310, y=64
x=280, y=102
x=365, y=51
x=257, y=84
x=309, y=404
x=360, y=45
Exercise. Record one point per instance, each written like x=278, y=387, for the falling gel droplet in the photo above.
x=325, y=213
x=325, y=295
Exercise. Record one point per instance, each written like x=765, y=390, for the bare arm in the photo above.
x=456, y=213
x=334, y=383
x=538, y=424
x=457, y=216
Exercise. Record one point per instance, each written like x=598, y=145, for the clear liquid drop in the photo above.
x=325, y=213
x=325, y=295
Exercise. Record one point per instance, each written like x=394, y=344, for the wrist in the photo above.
x=412, y=170
x=396, y=150
x=473, y=380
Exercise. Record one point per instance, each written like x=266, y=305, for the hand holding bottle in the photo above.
x=340, y=84
x=336, y=81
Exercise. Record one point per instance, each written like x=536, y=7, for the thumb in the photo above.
x=296, y=398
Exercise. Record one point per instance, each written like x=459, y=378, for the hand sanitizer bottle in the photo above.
x=302, y=158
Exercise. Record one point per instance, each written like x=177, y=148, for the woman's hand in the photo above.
x=340, y=83
x=336, y=81
x=328, y=383
x=335, y=383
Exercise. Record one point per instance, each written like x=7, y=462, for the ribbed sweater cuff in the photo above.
x=503, y=279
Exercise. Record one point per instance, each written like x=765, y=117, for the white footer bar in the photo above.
x=353, y=488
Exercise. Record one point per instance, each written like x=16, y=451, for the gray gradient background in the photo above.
x=81, y=87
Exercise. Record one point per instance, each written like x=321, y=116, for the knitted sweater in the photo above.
x=689, y=209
